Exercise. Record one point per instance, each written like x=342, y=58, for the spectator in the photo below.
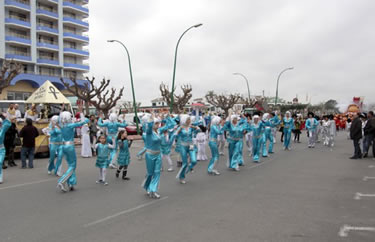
x=17, y=112
x=369, y=132
x=11, y=112
x=9, y=143
x=356, y=136
x=32, y=113
x=28, y=133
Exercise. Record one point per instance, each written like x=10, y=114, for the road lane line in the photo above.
x=358, y=195
x=366, y=178
x=371, y=166
x=345, y=229
x=28, y=183
x=123, y=212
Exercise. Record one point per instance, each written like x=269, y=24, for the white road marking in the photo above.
x=358, y=195
x=29, y=183
x=345, y=229
x=123, y=212
x=366, y=178
x=371, y=166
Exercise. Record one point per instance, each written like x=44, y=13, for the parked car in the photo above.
x=131, y=129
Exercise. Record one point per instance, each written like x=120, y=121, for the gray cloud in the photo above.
x=330, y=44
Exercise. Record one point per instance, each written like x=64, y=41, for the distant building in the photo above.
x=49, y=38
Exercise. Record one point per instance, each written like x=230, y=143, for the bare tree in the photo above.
x=222, y=101
x=100, y=97
x=179, y=100
x=8, y=72
x=129, y=107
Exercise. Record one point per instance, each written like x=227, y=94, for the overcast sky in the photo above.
x=330, y=44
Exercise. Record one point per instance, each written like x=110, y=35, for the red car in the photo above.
x=131, y=129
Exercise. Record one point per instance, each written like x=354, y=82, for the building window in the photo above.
x=18, y=95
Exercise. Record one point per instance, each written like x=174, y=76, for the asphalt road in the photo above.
x=298, y=195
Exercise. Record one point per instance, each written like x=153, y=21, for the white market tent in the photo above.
x=47, y=93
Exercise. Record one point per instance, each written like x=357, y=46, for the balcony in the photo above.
x=76, y=37
x=72, y=66
x=76, y=52
x=17, y=22
x=47, y=62
x=47, y=46
x=17, y=5
x=75, y=8
x=45, y=29
x=18, y=57
x=75, y=22
x=46, y=13
x=17, y=40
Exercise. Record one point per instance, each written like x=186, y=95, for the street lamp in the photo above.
x=247, y=82
x=277, y=85
x=175, y=61
x=131, y=80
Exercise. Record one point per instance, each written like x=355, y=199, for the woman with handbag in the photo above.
x=11, y=140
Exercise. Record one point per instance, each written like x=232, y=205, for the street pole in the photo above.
x=131, y=80
x=277, y=85
x=175, y=61
x=247, y=82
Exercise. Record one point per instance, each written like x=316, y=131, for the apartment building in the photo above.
x=50, y=39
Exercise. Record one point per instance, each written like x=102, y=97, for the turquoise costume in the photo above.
x=55, y=149
x=187, y=148
x=215, y=131
x=103, y=151
x=258, y=131
x=267, y=136
x=4, y=128
x=69, y=152
x=153, y=158
x=288, y=127
x=311, y=126
x=166, y=145
x=112, y=128
x=235, y=141
x=123, y=158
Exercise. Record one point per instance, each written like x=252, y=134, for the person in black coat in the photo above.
x=9, y=143
x=356, y=136
x=369, y=132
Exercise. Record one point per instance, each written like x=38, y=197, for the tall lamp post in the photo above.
x=277, y=85
x=247, y=82
x=131, y=80
x=175, y=61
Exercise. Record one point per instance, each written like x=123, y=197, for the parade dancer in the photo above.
x=4, y=126
x=249, y=138
x=257, y=128
x=123, y=158
x=288, y=123
x=187, y=149
x=318, y=130
x=267, y=136
x=275, y=122
x=201, y=141
x=235, y=139
x=67, y=131
x=145, y=118
x=103, y=151
x=221, y=141
x=55, y=146
x=325, y=130
x=332, y=131
x=153, y=156
x=311, y=126
x=112, y=127
x=215, y=131
x=167, y=139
